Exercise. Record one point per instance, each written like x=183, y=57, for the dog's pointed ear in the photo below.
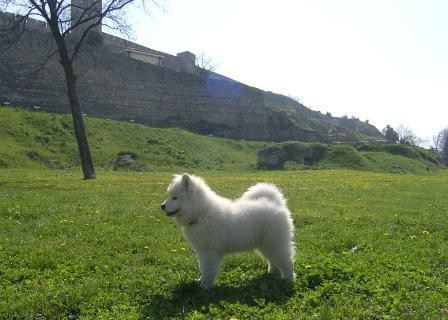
x=186, y=181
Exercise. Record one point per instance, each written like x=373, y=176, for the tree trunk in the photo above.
x=78, y=123
x=67, y=64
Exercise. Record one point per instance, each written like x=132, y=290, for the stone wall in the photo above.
x=112, y=85
x=182, y=62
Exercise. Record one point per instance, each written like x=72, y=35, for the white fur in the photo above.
x=216, y=226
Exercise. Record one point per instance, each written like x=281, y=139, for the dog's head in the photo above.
x=183, y=193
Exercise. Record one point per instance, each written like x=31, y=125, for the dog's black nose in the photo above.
x=163, y=206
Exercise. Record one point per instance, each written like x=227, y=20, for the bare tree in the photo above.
x=441, y=144
x=439, y=139
x=73, y=25
x=204, y=66
x=406, y=136
x=435, y=142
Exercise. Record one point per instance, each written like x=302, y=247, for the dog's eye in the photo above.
x=174, y=198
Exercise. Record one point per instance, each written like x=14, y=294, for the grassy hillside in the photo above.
x=31, y=139
x=49, y=140
x=377, y=158
x=369, y=246
x=314, y=126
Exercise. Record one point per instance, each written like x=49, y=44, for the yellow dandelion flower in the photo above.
x=386, y=233
x=63, y=244
x=183, y=248
x=425, y=232
x=233, y=318
x=413, y=237
x=173, y=250
x=345, y=252
x=146, y=247
x=97, y=211
x=307, y=266
x=158, y=220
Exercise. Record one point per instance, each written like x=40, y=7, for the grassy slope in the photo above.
x=379, y=161
x=102, y=249
x=377, y=158
x=317, y=123
x=51, y=136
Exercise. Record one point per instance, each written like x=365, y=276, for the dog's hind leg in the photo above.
x=287, y=269
x=209, y=263
x=279, y=260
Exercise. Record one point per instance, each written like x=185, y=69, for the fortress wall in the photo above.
x=117, y=45
x=118, y=87
x=33, y=24
x=7, y=18
x=113, y=43
x=112, y=85
x=129, y=89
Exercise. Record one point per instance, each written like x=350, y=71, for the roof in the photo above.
x=146, y=53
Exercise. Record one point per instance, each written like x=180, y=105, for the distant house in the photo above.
x=144, y=56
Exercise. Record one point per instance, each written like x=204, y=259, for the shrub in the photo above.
x=271, y=158
x=346, y=156
x=274, y=157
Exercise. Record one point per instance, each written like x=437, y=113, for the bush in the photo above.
x=346, y=156
x=271, y=158
x=296, y=151
x=274, y=157
x=318, y=151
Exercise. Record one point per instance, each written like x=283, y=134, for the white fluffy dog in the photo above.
x=216, y=226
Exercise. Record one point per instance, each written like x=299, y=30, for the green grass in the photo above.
x=102, y=249
x=51, y=137
x=296, y=155
x=381, y=161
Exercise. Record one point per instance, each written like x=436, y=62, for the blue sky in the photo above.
x=385, y=61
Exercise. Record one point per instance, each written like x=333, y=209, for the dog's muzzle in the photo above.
x=169, y=214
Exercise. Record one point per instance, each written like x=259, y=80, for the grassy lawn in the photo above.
x=103, y=249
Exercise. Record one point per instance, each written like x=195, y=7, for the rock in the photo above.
x=32, y=154
x=124, y=160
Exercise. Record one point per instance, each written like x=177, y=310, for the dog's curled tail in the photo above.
x=265, y=190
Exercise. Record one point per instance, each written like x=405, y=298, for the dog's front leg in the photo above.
x=209, y=263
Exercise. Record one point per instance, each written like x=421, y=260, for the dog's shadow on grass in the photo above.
x=189, y=296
